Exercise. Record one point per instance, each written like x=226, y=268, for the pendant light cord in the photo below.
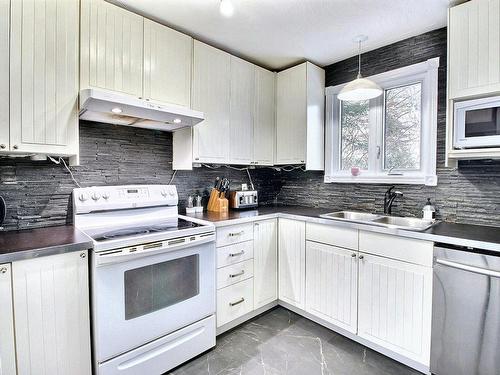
x=359, y=58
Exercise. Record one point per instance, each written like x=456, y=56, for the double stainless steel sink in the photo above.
x=396, y=222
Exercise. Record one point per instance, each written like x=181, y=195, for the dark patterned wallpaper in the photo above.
x=467, y=194
x=39, y=193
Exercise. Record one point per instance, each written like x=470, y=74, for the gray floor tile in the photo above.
x=281, y=342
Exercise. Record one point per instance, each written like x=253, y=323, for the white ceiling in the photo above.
x=279, y=33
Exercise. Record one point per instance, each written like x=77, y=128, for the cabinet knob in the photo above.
x=3, y=270
x=83, y=255
x=353, y=255
x=361, y=257
x=2, y=146
x=15, y=147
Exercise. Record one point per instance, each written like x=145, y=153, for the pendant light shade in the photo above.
x=361, y=88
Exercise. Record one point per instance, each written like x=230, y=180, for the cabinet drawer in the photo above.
x=331, y=235
x=235, y=273
x=234, y=301
x=405, y=249
x=231, y=254
x=234, y=234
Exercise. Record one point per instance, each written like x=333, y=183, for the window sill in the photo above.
x=382, y=179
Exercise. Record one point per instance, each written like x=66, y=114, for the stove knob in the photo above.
x=105, y=195
x=83, y=197
x=171, y=193
x=96, y=196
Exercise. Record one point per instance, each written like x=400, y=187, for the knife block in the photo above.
x=217, y=202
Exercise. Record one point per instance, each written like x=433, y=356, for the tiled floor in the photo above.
x=281, y=342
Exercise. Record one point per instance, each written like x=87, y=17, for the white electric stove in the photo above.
x=153, y=278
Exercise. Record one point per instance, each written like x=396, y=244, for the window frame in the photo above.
x=427, y=74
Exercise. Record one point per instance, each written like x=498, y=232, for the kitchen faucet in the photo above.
x=389, y=198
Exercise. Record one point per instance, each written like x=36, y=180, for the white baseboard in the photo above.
x=244, y=318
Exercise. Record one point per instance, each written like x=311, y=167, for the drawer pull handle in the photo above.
x=237, y=254
x=237, y=302
x=237, y=274
x=236, y=233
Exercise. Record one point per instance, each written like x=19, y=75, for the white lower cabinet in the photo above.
x=395, y=302
x=51, y=313
x=292, y=262
x=7, y=341
x=332, y=284
x=265, y=262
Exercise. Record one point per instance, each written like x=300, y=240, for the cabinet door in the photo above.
x=265, y=257
x=51, y=310
x=474, y=48
x=264, y=129
x=167, y=64
x=395, y=302
x=4, y=74
x=7, y=342
x=291, y=116
x=111, y=48
x=292, y=262
x=332, y=284
x=241, y=111
x=211, y=93
x=44, y=76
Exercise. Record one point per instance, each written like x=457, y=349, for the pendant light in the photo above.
x=361, y=88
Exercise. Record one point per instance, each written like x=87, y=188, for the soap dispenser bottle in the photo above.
x=429, y=212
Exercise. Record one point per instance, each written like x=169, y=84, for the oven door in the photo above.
x=138, y=298
x=477, y=123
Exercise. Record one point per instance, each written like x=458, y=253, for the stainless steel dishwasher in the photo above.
x=466, y=312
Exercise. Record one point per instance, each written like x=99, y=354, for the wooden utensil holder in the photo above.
x=217, y=202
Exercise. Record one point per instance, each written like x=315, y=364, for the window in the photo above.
x=390, y=139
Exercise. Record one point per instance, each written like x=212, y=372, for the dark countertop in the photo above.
x=32, y=243
x=479, y=236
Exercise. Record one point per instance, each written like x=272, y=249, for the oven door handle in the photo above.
x=118, y=256
x=465, y=267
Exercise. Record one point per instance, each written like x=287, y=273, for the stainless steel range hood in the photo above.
x=122, y=109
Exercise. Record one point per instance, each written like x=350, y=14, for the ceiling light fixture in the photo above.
x=226, y=8
x=361, y=88
x=116, y=110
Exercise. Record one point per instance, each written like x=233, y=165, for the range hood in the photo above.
x=122, y=109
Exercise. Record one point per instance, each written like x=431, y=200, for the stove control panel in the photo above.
x=107, y=198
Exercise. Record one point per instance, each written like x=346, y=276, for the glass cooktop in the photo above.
x=117, y=233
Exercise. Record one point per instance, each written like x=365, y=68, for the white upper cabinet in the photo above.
x=167, y=64
x=292, y=262
x=4, y=74
x=332, y=284
x=474, y=49
x=265, y=257
x=300, y=103
x=211, y=95
x=51, y=311
x=264, y=117
x=7, y=340
x=111, y=49
x=44, y=37
x=241, y=111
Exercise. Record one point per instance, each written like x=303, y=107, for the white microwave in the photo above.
x=477, y=123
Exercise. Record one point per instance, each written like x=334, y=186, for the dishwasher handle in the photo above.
x=465, y=267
